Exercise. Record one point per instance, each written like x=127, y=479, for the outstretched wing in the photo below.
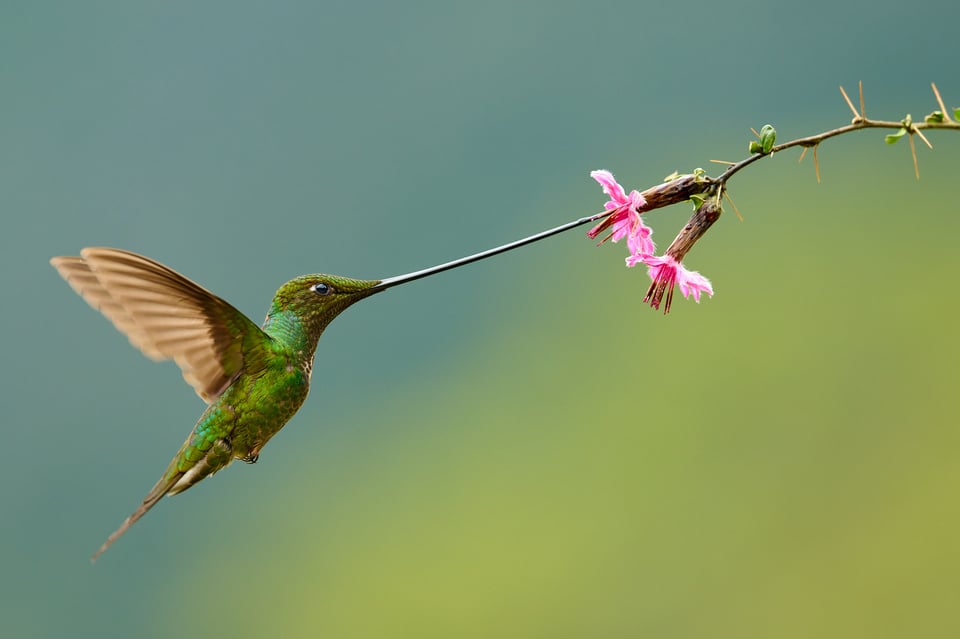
x=167, y=316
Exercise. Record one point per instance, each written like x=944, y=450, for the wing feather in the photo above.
x=167, y=316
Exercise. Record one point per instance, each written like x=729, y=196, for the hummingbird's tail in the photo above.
x=179, y=476
x=161, y=488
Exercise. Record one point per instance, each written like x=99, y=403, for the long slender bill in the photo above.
x=482, y=255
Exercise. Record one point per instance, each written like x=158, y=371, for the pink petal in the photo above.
x=624, y=217
x=637, y=201
x=655, y=262
x=639, y=240
x=692, y=283
x=623, y=221
x=668, y=269
x=618, y=197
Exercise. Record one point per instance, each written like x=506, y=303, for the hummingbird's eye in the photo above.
x=321, y=289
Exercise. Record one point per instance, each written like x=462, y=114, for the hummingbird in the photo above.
x=253, y=378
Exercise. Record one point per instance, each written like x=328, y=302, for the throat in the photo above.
x=289, y=331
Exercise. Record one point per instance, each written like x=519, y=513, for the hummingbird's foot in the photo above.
x=251, y=458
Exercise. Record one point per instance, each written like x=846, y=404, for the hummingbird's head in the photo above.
x=312, y=301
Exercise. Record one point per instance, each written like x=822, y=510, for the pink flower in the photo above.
x=624, y=218
x=666, y=272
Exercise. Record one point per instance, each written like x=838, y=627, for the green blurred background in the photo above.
x=520, y=448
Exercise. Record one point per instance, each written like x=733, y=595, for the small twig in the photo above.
x=707, y=192
x=814, y=140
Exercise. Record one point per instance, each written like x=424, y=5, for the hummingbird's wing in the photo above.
x=167, y=316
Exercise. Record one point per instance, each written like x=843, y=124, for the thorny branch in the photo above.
x=706, y=191
x=622, y=216
x=859, y=122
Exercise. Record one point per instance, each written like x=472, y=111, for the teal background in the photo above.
x=519, y=448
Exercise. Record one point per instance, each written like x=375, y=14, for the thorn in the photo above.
x=923, y=137
x=816, y=162
x=863, y=109
x=726, y=194
x=856, y=116
x=754, y=131
x=943, y=108
x=802, y=154
x=916, y=165
x=724, y=162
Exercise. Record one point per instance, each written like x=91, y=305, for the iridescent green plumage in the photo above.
x=253, y=378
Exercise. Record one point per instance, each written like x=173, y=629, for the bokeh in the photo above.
x=519, y=448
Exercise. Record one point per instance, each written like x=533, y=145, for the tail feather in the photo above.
x=161, y=488
x=174, y=481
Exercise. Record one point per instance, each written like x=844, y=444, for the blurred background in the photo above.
x=519, y=448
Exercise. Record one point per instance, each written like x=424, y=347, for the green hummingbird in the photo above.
x=253, y=378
